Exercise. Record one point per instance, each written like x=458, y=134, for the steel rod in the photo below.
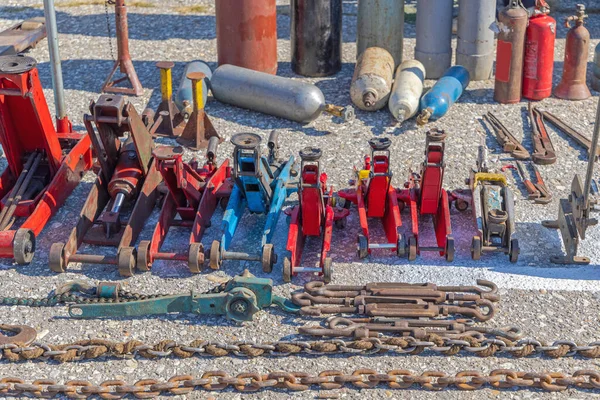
x=55, y=66
x=591, y=159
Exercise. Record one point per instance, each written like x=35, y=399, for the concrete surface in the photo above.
x=549, y=302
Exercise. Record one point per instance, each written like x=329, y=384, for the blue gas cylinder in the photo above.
x=447, y=90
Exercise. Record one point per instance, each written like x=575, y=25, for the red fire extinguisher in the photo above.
x=538, y=65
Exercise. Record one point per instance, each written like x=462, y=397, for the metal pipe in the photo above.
x=591, y=159
x=119, y=199
x=55, y=67
x=235, y=255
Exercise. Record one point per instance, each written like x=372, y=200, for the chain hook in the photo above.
x=24, y=334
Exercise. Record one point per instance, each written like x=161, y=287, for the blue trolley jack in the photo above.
x=261, y=186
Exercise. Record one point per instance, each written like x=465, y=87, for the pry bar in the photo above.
x=569, y=131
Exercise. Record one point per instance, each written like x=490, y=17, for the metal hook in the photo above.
x=24, y=334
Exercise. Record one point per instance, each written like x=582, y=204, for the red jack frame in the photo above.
x=375, y=197
x=425, y=196
x=194, y=194
x=313, y=216
x=123, y=195
x=43, y=166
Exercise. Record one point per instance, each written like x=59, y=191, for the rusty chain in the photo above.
x=96, y=348
x=300, y=381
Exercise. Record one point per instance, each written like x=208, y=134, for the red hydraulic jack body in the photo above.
x=124, y=193
x=314, y=216
x=194, y=194
x=375, y=197
x=424, y=195
x=43, y=166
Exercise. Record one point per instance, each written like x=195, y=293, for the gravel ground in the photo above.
x=547, y=301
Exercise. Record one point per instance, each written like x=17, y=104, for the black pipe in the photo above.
x=316, y=37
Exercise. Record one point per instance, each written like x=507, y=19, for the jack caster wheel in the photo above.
x=513, y=256
x=327, y=270
x=223, y=203
x=126, y=260
x=143, y=262
x=23, y=246
x=362, y=246
x=287, y=270
x=461, y=205
x=401, y=246
x=449, y=250
x=269, y=258
x=196, y=258
x=341, y=223
x=215, y=255
x=476, y=248
x=56, y=258
x=412, y=248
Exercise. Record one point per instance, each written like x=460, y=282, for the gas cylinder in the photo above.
x=596, y=70
x=538, y=65
x=434, y=36
x=447, y=90
x=274, y=95
x=372, y=81
x=512, y=24
x=184, y=97
x=475, y=42
x=407, y=90
x=381, y=24
x=316, y=37
x=247, y=34
x=577, y=49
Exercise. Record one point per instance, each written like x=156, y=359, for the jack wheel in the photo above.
x=401, y=246
x=223, y=203
x=23, y=246
x=412, y=248
x=362, y=246
x=287, y=270
x=215, y=255
x=461, y=205
x=56, y=258
x=341, y=223
x=513, y=256
x=126, y=260
x=196, y=258
x=143, y=262
x=476, y=248
x=269, y=258
x=449, y=250
x=327, y=270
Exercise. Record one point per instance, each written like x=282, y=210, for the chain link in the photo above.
x=300, y=381
x=96, y=348
x=108, y=30
x=88, y=296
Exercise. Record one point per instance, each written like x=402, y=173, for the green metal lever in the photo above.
x=239, y=300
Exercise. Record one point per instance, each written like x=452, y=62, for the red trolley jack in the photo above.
x=375, y=197
x=313, y=216
x=127, y=181
x=424, y=195
x=194, y=194
x=43, y=166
